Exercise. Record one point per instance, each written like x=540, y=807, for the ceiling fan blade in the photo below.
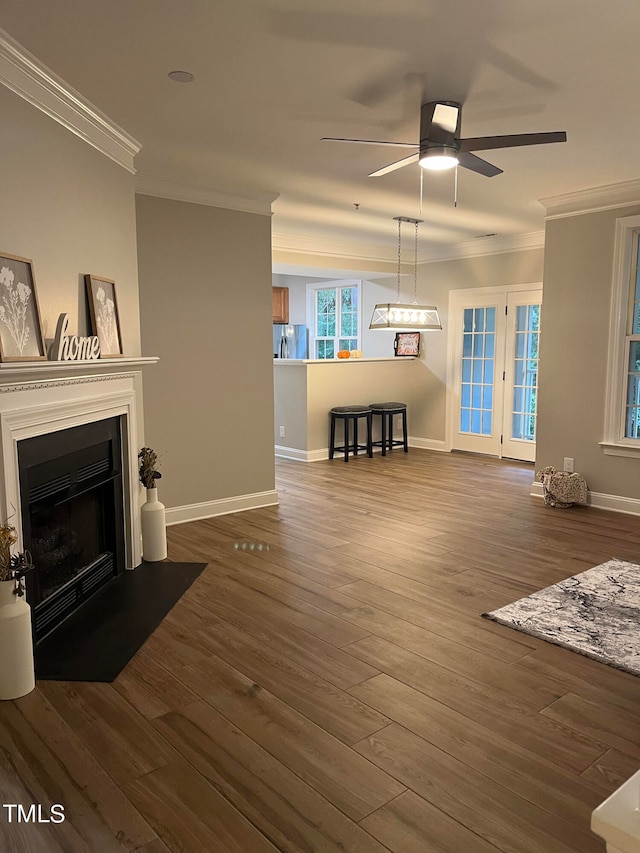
x=371, y=142
x=485, y=143
x=476, y=164
x=412, y=158
x=439, y=122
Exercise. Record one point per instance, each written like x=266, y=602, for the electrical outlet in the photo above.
x=568, y=464
x=281, y=432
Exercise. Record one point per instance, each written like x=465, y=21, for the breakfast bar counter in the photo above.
x=305, y=391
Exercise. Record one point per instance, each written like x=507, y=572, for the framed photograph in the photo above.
x=407, y=343
x=20, y=330
x=105, y=322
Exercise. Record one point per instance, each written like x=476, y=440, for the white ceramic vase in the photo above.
x=17, y=673
x=154, y=528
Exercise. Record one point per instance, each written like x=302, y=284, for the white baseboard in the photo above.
x=429, y=444
x=318, y=455
x=224, y=506
x=301, y=455
x=599, y=500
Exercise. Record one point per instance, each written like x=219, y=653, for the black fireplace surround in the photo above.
x=72, y=517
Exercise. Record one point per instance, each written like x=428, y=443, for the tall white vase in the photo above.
x=154, y=528
x=17, y=674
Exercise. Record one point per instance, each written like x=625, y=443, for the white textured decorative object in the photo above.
x=154, y=529
x=17, y=675
x=617, y=819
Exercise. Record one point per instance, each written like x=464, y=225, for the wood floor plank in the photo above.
x=310, y=651
x=335, y=710
x=150, y=688
x=414, y=603
x=410, y=824
x=189, y=814
x=343, y=777
x=49, y=779
x=109, y=727
x=531, y=777
x=314, y=620
x=287, y=810
x=615, y=727
x=610, y=771
x=563, y=745
x=487, y=808
x=231, y=727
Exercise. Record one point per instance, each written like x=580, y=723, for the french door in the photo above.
x=494, y=375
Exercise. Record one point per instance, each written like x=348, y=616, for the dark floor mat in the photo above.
x=97, y=642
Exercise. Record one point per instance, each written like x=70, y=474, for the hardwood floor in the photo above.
x=331, y=686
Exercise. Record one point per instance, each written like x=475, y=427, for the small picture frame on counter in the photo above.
x=407, y=344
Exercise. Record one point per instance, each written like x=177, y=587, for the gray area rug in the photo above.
x=595, y=613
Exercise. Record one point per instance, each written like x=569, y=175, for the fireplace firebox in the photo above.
x=72, y=517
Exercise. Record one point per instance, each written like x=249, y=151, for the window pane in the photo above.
x=475, y=422
x=479, y=320
x=466, y=396
x=491, y=319
x=518, y=399
x=465, y=416
x=487, y=402
x=521, y=340
x=468, y=319
x=478, y=345
x=489, y=345
x=476, y=396
x=516, y=426
x=486, y=423
x=521, y=318
x=466, y=370
x=488, y=372
x=467, y=344
x=477, y=371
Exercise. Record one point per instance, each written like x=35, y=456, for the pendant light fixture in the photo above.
x=406, y=317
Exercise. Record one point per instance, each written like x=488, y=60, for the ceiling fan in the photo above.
x=441, y=147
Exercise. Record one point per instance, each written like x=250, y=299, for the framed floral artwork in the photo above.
x=20, y=330
x=105, y=322
x=407, y=343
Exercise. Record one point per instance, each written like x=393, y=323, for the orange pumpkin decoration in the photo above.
x=344, y=353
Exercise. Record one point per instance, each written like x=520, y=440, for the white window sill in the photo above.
x=611, y=448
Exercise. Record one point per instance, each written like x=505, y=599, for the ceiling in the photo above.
x=274, y=76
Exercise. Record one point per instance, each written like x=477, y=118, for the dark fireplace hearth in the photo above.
x=72, y=517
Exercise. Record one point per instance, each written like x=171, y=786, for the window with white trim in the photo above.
x=334, y=318
x=632, y=348
x=622, y=415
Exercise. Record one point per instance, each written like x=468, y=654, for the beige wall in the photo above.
x=70, y=210
x=573, y=351
x=205, y=304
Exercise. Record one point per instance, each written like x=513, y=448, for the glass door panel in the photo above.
x=521, y=375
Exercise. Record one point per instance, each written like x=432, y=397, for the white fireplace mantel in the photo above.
x=41, y=397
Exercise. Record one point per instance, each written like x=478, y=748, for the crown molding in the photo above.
x=374, y=252
x=199, y=195
x=487, y=246
x=592, y=200
x=323, y=247
x=25, y=75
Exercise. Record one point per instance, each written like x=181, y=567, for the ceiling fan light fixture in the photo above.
x=437, y=158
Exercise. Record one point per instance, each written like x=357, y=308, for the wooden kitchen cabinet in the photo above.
x=280, y=304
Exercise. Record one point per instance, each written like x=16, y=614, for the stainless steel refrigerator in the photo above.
x=290, y=341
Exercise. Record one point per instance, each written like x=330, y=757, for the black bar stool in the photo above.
x=386, y=412
x=350, y=414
